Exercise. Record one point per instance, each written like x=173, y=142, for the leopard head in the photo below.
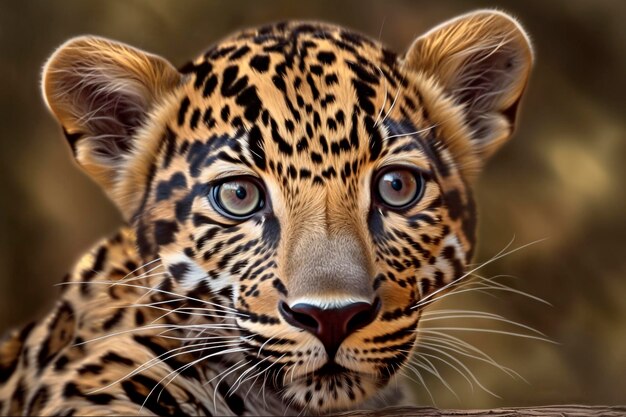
x=311, y=178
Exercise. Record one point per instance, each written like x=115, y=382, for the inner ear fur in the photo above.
x=101, y=92
x=483, y=61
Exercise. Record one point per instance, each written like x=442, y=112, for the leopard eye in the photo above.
x=399, y=187
x=238, y=198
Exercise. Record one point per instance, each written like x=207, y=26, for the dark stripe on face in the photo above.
x=376, y=225
x=454, y=204
x=250, y=100
x=266, y=351
x=182, y=111
x=354, y=130
x=165, y=188
x=242, y=51
x=113, y=320
x=112, y=357
x=276, y=341
x=314, y=91
x=170, y=147
x=230, y=84
x=164, y=232
x=260, y=63
x=395, y=362
x=398, y=334
x=195, y=117
x=178, y=270
x=199, y=151
x=90, y=368
x=362, y=73
x=398, y=313
x=71, y=390
x=201, y=71
x=100, y=258
x=364, y=93
x=144, y=244
x=271, y=232
x=375, y=139
x=184, y=205
x=255, y=144
x=196, y=156
x=449, y=253
x=280, y=287
x=283, y=146
x=209, y=86
x=253, y=317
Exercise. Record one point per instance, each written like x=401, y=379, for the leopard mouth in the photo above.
x=332, y=373
x=331, y=368
x=331, y=387
x=329, y=371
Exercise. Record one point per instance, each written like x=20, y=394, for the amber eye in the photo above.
x=399, y=187
x=238, y=198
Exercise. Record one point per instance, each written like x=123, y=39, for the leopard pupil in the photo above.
x=396, y=184
x=241, y=193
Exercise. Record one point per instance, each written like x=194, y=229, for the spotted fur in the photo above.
x=177, y=314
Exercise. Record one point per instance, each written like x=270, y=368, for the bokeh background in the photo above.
x=561, y=178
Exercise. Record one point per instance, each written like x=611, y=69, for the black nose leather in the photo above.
x=330, y=325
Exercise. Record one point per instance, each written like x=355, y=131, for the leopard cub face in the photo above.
x=309, y=178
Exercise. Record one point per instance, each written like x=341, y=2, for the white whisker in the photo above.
x=483, y=317
x=151, y=289
x=233, y=368
x=437, y=344
x=143, y=266
x=504, y=287
x=433, y=371
x=216, y=326
x=420, y=382
x=499, y=255
x=153, y=362
x=464, y=367
x=504, y=332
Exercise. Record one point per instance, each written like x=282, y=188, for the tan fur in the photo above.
x=313, y=114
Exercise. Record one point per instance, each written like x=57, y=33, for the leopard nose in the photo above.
x=330, y=325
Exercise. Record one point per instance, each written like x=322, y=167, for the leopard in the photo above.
x=290, y=199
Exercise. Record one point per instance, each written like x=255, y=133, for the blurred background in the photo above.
x=561, y=178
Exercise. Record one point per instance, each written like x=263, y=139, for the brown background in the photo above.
x=561, y=178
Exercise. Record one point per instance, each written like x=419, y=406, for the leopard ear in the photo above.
x=482, y=60
x=101, y=92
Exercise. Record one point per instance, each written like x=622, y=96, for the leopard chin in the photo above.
x=331, y=388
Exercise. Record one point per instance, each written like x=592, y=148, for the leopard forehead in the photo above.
x=307, y=97
x=300, y=105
